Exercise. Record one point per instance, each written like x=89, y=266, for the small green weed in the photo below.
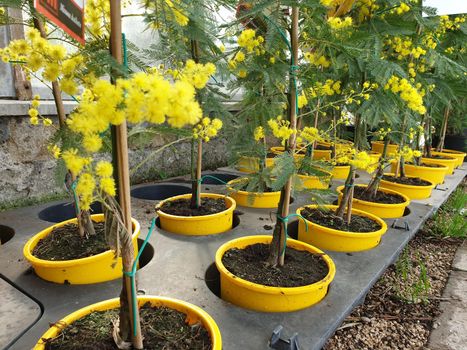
x=413, y=285
x=451, y=219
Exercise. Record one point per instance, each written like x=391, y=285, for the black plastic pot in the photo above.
x=159, y=191
x=454, y=142
x=65, y=211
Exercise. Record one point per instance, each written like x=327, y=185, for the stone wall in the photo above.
x=28, y=171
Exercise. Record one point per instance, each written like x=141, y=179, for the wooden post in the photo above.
x=293, y=125
x=123, y=185
x=56, y=91
x=23, y=87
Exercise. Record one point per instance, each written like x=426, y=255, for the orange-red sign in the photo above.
x=67, y=14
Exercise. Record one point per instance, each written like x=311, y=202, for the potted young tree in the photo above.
x=67, y=251
x=265, y=254
x=198, y=213
x=163, y=100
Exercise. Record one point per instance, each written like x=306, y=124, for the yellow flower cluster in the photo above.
x=317, y=60
x=85, y=190
x=248, y=40
x=280, y=129
x=330, y=3
x=104, y=171
x=451, y=24
x=401, y=9
x=34, y=115
x=86, y=186
x=97, y=17
x=310, y=135
x=329, y=88
x=382, y=133
x=404, y=47
x=55, y=150
x=51, y=59
x=302, y=100
x=74, y=162
x=410, y=94
x=178, y=14
x=407, y=153
x=258, y=133
x=366, y=8
x=144, y=97
x=197, y=74
x=337, y=23
x=363, y=161
x=207, y=129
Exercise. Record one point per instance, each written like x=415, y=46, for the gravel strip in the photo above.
x=399, y=310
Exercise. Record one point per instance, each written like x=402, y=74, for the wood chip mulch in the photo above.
x=397, y=312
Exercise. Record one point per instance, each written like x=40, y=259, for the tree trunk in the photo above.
x=196, y=183
x=372, y=188
x=347, y=195
x=443, y=130
x=428, y=140
x=277, y=251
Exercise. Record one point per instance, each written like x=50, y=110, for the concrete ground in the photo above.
x=18, y=312
x=168, y=274
x=450, y=328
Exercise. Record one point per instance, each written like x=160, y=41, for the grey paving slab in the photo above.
x=450, y=331
x=18, y=312
x=460, y=259
x=179, y=267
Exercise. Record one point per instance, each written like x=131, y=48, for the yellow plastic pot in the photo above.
x=434, y=175
x=375, y=157
x=340, y=241
x=254, y=199
x=450, y=161
x=194, y=315
x=279, y=150
x=340, y=145
x=456, y=154
x=198, y=225
x=340, y=172
x=413, y=192
x=258, y=297
x=93, y=269
x=319, y=154
x=251, y=164
x=314, y=182
x=378, y=147
x=384, y=211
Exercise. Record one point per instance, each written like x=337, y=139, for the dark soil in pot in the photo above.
x=162, y=328
x=327, y=218
x=181, y=207
x=430, y=165
x=301, y=268
x=323, y=148
x=438, y=157
x=266, y=190
x=65, y=243
x=381, y=197
x=412, y=181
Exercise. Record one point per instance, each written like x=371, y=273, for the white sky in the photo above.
x=447, y=7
